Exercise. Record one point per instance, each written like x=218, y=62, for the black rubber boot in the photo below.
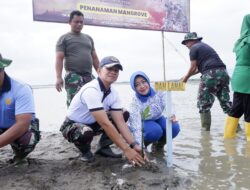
x=206, y=120
x=87, y=155
x=83, y=143
x=161, y=142
x=105, y=142
x=146, y=143
x=104, y=147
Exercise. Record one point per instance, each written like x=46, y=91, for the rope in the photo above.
x=177, y=51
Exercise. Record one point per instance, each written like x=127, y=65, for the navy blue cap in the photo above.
x=110, y=61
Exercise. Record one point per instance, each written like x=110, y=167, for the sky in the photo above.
x=31, y=44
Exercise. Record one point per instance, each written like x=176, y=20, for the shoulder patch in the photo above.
x=8, y=101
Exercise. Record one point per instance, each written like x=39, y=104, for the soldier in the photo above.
x=18, y=125
x=214, y=77
x=78, y=51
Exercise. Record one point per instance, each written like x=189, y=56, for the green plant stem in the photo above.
x=142, y=139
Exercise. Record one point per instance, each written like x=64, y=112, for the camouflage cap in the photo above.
x=4, y=62
x=190, y=36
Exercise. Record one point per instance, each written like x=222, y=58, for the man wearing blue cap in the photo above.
x=18, y=125
x=214, y=77
x=87, y=116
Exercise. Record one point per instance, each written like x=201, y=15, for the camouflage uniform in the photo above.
x=74, y=82
x=82, y=135
x=27, y=142
x=214, y=82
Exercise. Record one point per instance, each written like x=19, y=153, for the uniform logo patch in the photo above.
x=8, y=101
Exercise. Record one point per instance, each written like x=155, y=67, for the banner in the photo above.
x=161, y=15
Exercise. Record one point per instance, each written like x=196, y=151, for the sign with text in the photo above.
x=170, y=86
x=161, y=15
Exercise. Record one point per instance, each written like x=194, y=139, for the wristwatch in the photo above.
x=132, y=145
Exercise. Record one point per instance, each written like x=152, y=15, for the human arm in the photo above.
x=16, y=130
x=95, y=60
x=102, y=119
x=117, y=117
x=193, y=70
x=134, y=121
x=59, y=68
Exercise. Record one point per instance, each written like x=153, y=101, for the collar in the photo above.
x=105, y=91
x=6, y=84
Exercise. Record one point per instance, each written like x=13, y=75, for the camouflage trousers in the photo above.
x=27, y=142
x=214, y=83
x=82, y=135
x=74, y=82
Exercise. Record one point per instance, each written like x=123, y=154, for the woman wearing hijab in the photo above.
x=155, y=123
x=240, y=83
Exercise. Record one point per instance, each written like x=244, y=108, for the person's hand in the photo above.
x=173, y=118
x=183, y=79
x=59, y=84
x=138, y=149
x=134, y=157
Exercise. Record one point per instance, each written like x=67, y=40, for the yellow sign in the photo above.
x=170, y=86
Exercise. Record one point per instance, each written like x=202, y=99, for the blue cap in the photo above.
x=110, y=61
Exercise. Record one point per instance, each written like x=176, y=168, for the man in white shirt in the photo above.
x=87, y=116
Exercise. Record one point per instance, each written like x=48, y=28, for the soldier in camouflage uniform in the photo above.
x=18, y=125
x=27, y=142
x=78, y=51
x=214, y=77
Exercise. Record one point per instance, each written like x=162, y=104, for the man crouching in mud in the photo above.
x=18, y=125
x=87, y=117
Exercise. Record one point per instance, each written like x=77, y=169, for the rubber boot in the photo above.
x=238, y=128
x=87, y=155
x=104, y=147
x=206, y=120
x=158, y=146
x=230, y=127
x=161, y=143
x=146, y=143
x=247, y=130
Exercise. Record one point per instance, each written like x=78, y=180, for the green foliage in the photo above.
x=145, y=114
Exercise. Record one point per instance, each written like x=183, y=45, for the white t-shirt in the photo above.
x=91, y=97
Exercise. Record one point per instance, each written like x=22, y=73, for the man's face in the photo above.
x=109, y=75
x=76, y=24
x=189, y=43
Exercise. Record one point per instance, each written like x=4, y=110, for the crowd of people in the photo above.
x=94, y=107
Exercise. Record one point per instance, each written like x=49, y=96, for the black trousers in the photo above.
x=241, y=106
